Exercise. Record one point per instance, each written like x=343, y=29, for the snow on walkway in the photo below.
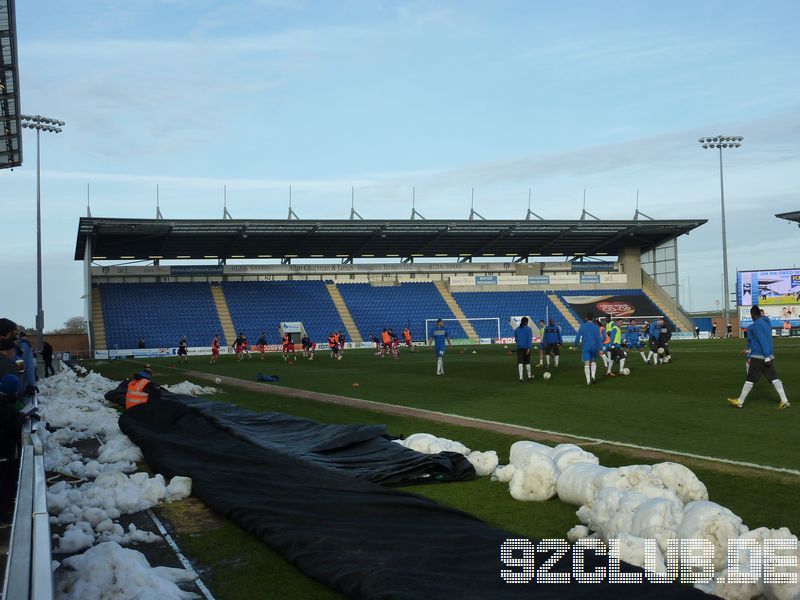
x=102, y=490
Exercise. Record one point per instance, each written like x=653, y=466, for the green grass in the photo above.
x=679, y=406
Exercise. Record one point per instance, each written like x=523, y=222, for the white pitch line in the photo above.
x=727, y=461
x=184, y=561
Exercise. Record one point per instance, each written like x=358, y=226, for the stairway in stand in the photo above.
x=457, y=312
x=98, y=322
x=224, y=313
x=344, y=313
x=565, y=311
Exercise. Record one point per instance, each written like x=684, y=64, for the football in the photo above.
x=474, y=351
x=626, y=371
x=661, y=351
x=546, y=374
x=218, y=380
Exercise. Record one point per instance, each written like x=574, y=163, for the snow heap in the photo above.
x=187, y=388
x=90, y=507
x=111, y=571
x=634, y=503
x=485, y=463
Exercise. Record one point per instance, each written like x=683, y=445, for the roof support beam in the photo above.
x=378, y=232
x=558, y=238
x=613, y=239
x=500, y=236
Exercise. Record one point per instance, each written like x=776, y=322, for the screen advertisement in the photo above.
x=613, y=306
x=781, y=286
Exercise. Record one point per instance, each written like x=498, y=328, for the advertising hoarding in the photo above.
x=780, y=286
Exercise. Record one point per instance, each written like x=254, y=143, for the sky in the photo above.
x=257, y=95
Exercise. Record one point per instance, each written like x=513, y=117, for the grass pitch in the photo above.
x=680, y=406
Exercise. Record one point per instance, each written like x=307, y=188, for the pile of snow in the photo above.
x=635, y=503
x=535, y=468
x=110, y=571
x=485, y=463
x=188, y=388
x=91, y=507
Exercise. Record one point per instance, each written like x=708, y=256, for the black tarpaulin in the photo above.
x=363, y=451
x=360, y=538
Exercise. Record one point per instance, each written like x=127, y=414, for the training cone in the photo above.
x=356, y=385
x=510, y=353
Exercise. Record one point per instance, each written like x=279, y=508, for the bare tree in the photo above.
x=72, y=325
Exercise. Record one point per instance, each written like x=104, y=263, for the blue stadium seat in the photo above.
x=160, y=313
x=508, y=304
x=377, y=307
x=257, y=306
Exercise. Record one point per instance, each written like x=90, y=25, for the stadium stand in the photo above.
x=159, y=312
x=657, y=310
x=395, y=306
x=507, y=304
x=704, y=323
x=257, y=306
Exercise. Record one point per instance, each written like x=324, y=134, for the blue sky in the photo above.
x=503, y=96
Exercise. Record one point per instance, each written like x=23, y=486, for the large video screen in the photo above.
x=781, y=286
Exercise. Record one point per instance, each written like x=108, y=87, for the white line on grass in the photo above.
x=184, y=561
x=728, y=461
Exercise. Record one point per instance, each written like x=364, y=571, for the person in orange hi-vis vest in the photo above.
x=140, y=389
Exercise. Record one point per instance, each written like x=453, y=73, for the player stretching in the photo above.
x=287, y=346
x=552, y=342
x=634, y=340
x=523, y=335
x=239, y=346
x=541, y=343
x=615, y=351
x=407, y=338
x=261, y=345
x=653, y=333
x=377, y=343
x=341, y=339
x=762, y=360
x=386, y=342
x=589, y=338
x=333, y=344
x=214, y=350
x=308, y=347
x=183, y=350
x=441, y=340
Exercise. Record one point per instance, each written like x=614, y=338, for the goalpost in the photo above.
x=429, y=323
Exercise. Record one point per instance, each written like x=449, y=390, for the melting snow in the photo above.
x=105, y=490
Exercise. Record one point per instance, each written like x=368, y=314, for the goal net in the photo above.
x=484, y=330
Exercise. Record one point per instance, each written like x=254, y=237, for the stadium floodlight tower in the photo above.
x=40, y=123
x=723, y=142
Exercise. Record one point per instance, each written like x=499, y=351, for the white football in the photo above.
x=661, y=351
x=626, y=371
x=474, y=351
x=546, y=374
x=218, y=380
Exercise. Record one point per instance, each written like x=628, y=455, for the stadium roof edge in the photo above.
x=142, y=239
x=790, y=216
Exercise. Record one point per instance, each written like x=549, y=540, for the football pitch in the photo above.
x=678, y=407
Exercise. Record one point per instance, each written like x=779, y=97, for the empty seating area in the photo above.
x=257, y=306
x=163, y=312
x=160, y=313
x=508, y=304
x=394, y=307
